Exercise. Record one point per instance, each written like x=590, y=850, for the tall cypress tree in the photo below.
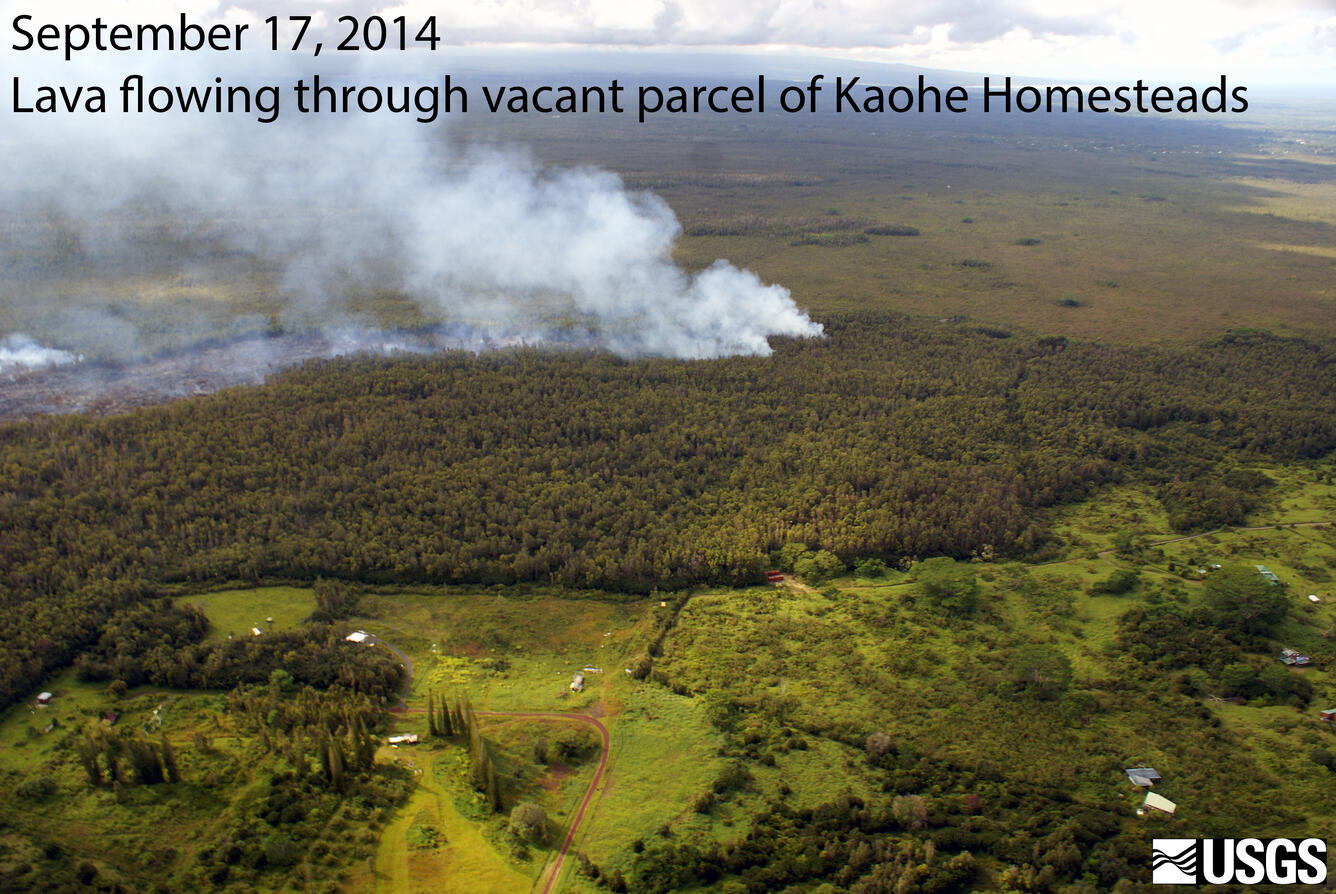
x=169, y=761
x=325, y=766
x=336, y=764
x=447, y=728
x=493, y=792
x=88, y=752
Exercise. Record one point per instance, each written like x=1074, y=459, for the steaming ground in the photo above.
x=58, y=384
x=19, y=353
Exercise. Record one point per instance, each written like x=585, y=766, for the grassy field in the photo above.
x=804, y=672
x=515, y=651
x=138, y=831
x=431, y=840
x=823, y=667
x=235, y=612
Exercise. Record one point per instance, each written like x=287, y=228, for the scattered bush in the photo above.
x=830, y=240
x=37, y=788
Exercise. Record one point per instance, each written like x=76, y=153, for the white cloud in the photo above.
x=1280, y=41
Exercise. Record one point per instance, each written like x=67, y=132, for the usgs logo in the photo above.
x=1238, y=861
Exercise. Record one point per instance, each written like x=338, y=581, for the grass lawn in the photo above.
x=235, y=612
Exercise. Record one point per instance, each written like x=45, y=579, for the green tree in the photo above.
x=818, y=566
x=1040, y=672
x=169, y=761
x=529, y=822
x=1238, y=681
x=947, y=584
x=1240, y=600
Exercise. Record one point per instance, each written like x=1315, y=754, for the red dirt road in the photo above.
x=556, y=717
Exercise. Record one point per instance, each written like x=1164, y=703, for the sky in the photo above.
x=1263, y=42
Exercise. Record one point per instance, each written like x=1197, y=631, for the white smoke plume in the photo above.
x=340, y=207
x=19, y=352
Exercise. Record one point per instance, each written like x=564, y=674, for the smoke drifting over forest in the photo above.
x=127, y=234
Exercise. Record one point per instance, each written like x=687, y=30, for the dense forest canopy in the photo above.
x=890, y=437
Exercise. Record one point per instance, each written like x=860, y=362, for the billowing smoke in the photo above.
x=126, y=242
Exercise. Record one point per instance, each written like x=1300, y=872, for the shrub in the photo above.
x=1120, y=582
x=641, y=665
x=947, y=584
x=871, y=568
x=528, y=822
x=818, y=566
x=36, y=789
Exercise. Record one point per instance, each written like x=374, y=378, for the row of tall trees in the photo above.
x=126, y=758
x=459, y=722
x=336, y=728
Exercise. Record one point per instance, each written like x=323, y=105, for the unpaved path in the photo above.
x=554, y=871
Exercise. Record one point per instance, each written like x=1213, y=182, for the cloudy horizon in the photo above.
x=1290, y=42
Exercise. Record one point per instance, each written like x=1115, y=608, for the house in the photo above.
x=255, y=631
x=1160, y=803
x=578, y=683
x=1268, y=574
x=1312, y=597
x=774, y=577
x=405, y=739
x=593, y=670
x=1294, y=658
x=44, y=698
x=1328, y=715
x=1145, y=777
x=358, y=636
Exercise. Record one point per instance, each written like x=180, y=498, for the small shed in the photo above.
x=578, y=683
x=1160, y=803
x=255, y=631
x=404, y=739
x=774, y=577
x=358, y=636
x=1294, y=658
x=1328, y=715
x=1312, y=597
x=44, y=698
x=590, y=669
x=1145, y=777
x=1268, y=574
